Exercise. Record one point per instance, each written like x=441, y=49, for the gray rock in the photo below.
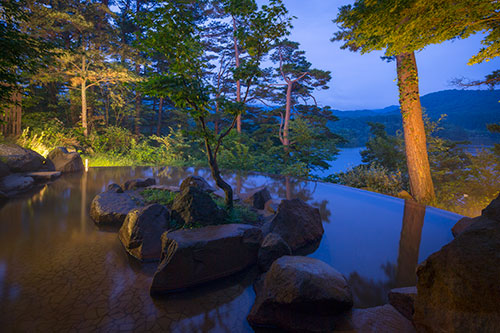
x=3, y=196
x=403, y=300
x=257, y=198
x=196, y=181
x=44, y=176
x=194, y=257
x=301, y=294
x=272, y=248
x=15, y=183
x=492, y=211
x=19, y=159
x=114, y=188
x=383, y=318
x=111, y=208
x=65, y=161
x=138, y=183
x=4, y=169
x=194, y=206
x=141, y=231
x=298, y=223
x=458, y=289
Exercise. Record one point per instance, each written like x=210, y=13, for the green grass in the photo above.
x=162, y=197
x=239, y=213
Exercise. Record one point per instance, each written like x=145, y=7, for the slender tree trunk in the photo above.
x=238, y=82
x=417, y=159
x=214, y=168
x=288, y=108
x=160, y=110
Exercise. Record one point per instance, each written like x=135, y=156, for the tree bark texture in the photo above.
x=417, y=159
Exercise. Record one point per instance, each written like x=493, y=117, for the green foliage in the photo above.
x=161, y=197
x=383, y=149
x=239, y=213
x=372, y=177
x=113, y=140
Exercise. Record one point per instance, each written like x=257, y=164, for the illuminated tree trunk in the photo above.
x=137, y=119
x=417, y=159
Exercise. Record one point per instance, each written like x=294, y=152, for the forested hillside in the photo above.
x=467, y=114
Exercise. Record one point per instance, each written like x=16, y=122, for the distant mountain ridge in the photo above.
x=468, y=112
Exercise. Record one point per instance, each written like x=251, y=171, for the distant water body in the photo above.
x=346, y=159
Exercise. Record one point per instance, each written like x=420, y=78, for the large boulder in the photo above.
x=19, y=159
x=15, y=183
x=301, y=294
x=193, y=257
x=111, y=208
x=196, y=181
x=403, y=300
x=463, y=224
x=257, y=198
x=4, y=169
x=458, y=286
x=141, y=231
x=298, y=223
x=65, y=161
x=272, y=248
x=492, y=211
x=195, y=207
x=138, y=183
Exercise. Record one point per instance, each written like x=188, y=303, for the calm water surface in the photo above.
x=59, y=272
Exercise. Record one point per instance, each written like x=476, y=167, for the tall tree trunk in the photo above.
x=84, y=99
x=238, y=82
x=417, y=159
x=160, y=110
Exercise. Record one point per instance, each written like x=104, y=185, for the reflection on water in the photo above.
x=59, y=272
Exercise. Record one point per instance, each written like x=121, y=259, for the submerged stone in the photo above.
x=138, y=183
x=194, y=257
x=16, y=183
x=44, y=176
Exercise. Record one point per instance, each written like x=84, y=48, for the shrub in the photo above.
x=372, y=177
x=159, y=196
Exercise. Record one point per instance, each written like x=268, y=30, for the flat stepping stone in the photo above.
x=44, y=176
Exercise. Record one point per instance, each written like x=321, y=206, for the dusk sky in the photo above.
x=366, y=81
